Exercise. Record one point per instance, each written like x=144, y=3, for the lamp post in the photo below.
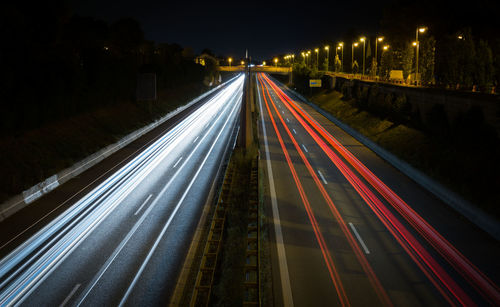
x=317, y=58
x=230, y=60
x=363, y=40
x=327, y=48
x=341, y=45
x=352, y=55
x=275, y=62
x=379, y=39
x=308, y=54
x=417, y=44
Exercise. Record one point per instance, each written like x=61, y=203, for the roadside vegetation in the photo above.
x=462, y=155
x=228, y=285
x=68, y=87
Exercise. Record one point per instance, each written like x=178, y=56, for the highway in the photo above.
x=124, y=242
x=349, y=229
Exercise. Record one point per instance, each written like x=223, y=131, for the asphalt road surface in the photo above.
x=349, y=229
x=123, y=243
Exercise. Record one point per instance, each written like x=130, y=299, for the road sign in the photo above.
x=314, y=82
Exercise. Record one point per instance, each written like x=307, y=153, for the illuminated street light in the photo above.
x=352, y=55
x=327, y=48
x=363, y=40
x=460, y=37
x=276, y=62
x=379, y=39
x=341, y=45
x=417, y=44
x=317, y=58
x=385, y=48
x=264, y=63
x=242, y=63
x=230, y=60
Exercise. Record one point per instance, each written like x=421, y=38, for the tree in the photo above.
x=386, y=64
x=126, y=35
x=338, y=63
x=426, y=59
x=407, y=56
x=484, y=71
x=373, y=69
x=355, y=67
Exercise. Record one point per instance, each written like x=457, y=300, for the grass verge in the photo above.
x=468, y=170
x=32, y=156
x=229, y=278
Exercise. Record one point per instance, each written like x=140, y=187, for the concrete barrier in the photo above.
x=478, y=217
x=28, y=196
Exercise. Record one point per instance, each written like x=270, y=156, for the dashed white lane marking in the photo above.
x=196, y=139
x=294, y=131
x=143, y=204
x=304, y=146
x=359, y=238
x=66, y=300
x=322, y=177
x=177, y=162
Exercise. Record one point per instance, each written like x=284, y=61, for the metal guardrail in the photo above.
x=251, y=283
x=205, y=277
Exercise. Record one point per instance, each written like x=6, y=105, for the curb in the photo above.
x=475, y=215
x=28, y=196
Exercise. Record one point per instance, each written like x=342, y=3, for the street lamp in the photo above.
x=276, y=62
x=341, y=45
x=230, y=60
x=385, y=48
x=363, y=40
x=307, y=55
x=379, y=39
x=327, y=48
x=417, y=44
x=352, y=55
x=264, y=63
x=317, y=58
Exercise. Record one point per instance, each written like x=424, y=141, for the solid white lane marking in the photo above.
x=143, y=204
x=196, y=139
x=359, y=238
x=322, y=177
x=286, y=288
x=180, y=202
x=304, y=146
x=177, y=162
x=294, y=131
x=66, y=300
x=148, y=210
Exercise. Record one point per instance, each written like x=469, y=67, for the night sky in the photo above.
x=266, y=28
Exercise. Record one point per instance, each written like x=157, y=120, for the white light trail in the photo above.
x=28, y=265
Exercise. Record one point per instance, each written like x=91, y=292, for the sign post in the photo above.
x=314, y=83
